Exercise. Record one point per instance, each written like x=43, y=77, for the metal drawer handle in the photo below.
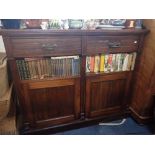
x=114, y=45
x=49, y=46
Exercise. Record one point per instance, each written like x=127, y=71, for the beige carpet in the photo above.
x=8, y=126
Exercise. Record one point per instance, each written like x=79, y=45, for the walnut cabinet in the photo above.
x=71, y=100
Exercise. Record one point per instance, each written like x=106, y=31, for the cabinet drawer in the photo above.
x=46, y=46
x=113, y=44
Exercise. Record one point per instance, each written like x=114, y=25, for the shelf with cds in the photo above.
x=110, y=63
x=48, y=67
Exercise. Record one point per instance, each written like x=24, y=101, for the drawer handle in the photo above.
x=49, y=46
x=114, y=45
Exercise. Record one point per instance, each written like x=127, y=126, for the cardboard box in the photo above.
x=4, y=84
x=5, y=103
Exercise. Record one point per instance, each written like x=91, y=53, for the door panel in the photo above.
x=105, y=93
x=57, y=103
x=52, y=102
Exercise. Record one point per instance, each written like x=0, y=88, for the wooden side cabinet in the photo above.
x=51, y=81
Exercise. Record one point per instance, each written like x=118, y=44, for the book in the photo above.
x=70, y=66
x=73, y=67
x=97, y=64
x=106, y=63
x=47, y=67
x=88, y=64
x=53, y=67
x=92, y=62
x=67, y=67
x=27, y=69
x=49, y=61
x=113, y=66
x=77, y=65
x=109, y=62
x=33, y=68
x=64, y=66
x=20, y=70
x=129, y=62
x=133, y=60
x=36, y=67
x=122, y=57
x=57, y=66
x=61, y=67
x=27, y=60
x=118, y=59
x=125, y=60
x=102, y=63
x=41, y=61
x=24, y=69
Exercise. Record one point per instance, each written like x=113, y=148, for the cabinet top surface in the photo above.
x=22, y=32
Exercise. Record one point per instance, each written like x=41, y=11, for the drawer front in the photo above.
x=113, y=44
x=63, y=45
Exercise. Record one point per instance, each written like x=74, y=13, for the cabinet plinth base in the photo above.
x=74, y=125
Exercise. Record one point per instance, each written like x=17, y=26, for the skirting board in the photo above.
x=140, y=119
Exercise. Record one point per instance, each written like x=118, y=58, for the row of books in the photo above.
x=110, y=62
x=40, y=68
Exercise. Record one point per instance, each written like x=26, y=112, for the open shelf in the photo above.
x=47, y=68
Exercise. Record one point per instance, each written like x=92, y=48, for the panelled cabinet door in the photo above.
x=52, y=102
x=107, y=94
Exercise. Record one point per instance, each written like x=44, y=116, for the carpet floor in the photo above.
x=129, y=127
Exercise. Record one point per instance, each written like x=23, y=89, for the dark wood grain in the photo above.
x=57, y=102
x=83, y=77
x=42, y=46
x=50, y=101
x=153, y=82
x=142, y=105
x=38, y=32
x=104, y=44
x=104, y=92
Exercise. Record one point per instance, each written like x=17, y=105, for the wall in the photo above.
x=2, y=48
x=149, y=51
x=142, y=99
